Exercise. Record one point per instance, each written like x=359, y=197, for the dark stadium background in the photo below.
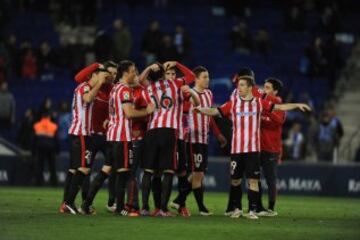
x=312, y=46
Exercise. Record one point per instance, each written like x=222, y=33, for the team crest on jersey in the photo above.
x=166, y=102
x=86, y=89
x=126, y=95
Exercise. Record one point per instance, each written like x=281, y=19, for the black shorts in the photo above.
x=160, y=149
x=99, y=144
x=266, y=157
x=181, y=156
x=122, y=155
x=268, y=164
x=198, y=157
x=248, y=163
x=80, y=152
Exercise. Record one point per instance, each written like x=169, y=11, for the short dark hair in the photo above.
x=112, y=64
x=124, y=66
x=170, y=68
x=247, y=74
x=100, y=70
x=156, y=76
x=198, y=70
x=276, y=83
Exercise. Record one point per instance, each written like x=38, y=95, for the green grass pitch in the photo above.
x=31, y=213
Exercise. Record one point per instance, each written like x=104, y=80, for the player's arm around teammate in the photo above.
x=244, y=110
x=79, y=131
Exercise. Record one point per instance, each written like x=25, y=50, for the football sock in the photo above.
x=120, y=187
x=111, y=188
x=145, y=189
x=199, y=197
x=67, y=183
x=156, y=191
x=166, y=187
x=253, y=198
x=75, y=186
x=133, y=193
x=95, y=187
x=85, y=187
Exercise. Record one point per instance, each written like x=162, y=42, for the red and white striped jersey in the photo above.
x=199, y=123
x=119, y=129
x=167, y=97
x=81, y=112
x=245, y=116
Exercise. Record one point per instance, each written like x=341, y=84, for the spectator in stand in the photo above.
x=7, y=108
x=262, y=42
x=13, y=53
x=295, y=19
x=29, y=61
x=336, y=122
x=122, y=41
x=182, y=42
x=316, y=56
x=295, y=142
x=47, y=61
x=168, y=50
x=25, y=137
x=240, y=38
x=46, y=147
x=151, y=42
x=328, y=136
x=330, y=19
x=46, y=106
x=311, y=137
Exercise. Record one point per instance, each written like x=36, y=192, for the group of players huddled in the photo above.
x=157, y=122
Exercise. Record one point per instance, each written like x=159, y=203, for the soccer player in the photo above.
x=100, y=113
x=256, y=92
x=82, y=76
x=197, y=146
x=182, y=135
x=121, y=110
x=79, y=131
x=270, y=145
x=138, y=130
x=245, y=111
x=190, y=98
x=161, y=138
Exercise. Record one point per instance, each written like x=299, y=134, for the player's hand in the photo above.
x=261, y=91
x=197, y=109
x=150, y=108
x=222, y=140
x=104, y=77
x=105, y=124
x=186, y=89
x=304, y=107
x=169, y=64
x=154, y=67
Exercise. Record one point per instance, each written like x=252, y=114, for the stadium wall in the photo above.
x=293, y=178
